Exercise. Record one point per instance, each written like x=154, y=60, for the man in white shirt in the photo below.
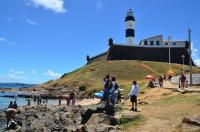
x=133, y=95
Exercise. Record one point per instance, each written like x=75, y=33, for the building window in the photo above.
x=174, y=43
x=152, y=42
x=145, y=42
x=166, y=43
x=157, y=42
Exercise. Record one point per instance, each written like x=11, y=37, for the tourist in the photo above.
x=14, y=105
x=106, y=91
x=68, y=100
x=160, y=80
x=29, y=101
x=182, y=81
x=10, y=114
x=133, y=95
x=169, y=77
x=10, y=105
x=113, y=90
x=59, y=100
x=73, y=98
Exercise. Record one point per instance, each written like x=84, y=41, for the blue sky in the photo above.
x=43, y=39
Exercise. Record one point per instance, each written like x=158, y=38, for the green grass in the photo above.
x=127, y=122
x=125, y=72
x=180, y=99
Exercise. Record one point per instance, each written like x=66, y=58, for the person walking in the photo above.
x=160, y=81
x=182, y=81
x=133, y=95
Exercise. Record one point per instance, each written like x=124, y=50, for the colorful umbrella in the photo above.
x=149, y=77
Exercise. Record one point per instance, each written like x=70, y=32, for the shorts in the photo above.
x=133, y=98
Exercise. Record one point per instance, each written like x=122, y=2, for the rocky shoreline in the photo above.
x=43, y=118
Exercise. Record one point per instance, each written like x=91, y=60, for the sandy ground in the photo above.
x=163, y=117
x=84, y=102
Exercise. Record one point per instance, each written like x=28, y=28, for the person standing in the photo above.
x=59, y=101
x=133, y=95
x=113, y=90
x=73, y=98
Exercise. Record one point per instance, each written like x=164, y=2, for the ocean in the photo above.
x=21, y=101
x=16, y=85
x=4, y=101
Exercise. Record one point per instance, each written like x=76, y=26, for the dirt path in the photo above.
x=88, y=101
x=163, y=116
x=149, y=68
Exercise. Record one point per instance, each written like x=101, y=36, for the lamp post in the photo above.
x=190, y=55
x=169, y=42
x=169, y=58
x=183, y=57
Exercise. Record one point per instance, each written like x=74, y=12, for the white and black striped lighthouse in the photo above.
x=130, y=24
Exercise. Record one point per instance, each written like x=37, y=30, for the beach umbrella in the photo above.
x=150, y=77
x=170, y=72
x=99, y=94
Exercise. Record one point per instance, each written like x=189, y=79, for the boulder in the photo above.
x=192, y=120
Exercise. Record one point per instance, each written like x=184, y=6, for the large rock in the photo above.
x=192, y=120
x=100, y=122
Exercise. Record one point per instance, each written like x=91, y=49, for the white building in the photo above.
x=157, y=41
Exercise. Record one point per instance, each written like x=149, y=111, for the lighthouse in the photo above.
x=130, y=24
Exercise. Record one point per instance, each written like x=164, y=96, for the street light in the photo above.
x=169, y=42
x=183, y=57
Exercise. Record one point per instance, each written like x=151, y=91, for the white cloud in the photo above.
x=54, y=5
x=5, y=41
x=197, y=62
x=195, y=52
x=16, y=72
x=34, y=72
x=14, y=76
x=99, y=5
x=52, y=74
x=29, y=21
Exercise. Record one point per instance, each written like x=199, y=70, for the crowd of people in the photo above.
x=111, y=93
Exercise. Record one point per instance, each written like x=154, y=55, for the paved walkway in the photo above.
x=196, y=78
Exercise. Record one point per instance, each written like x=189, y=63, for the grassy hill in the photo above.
x=125, y=71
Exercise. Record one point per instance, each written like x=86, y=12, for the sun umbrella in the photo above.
x=149, y=77
x=170, y=72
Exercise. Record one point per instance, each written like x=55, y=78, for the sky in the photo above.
x=40, y=40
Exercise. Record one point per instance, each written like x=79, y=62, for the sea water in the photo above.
x=5, y=101
x=21, y=101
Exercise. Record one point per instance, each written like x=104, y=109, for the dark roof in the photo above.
x=159, y=54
